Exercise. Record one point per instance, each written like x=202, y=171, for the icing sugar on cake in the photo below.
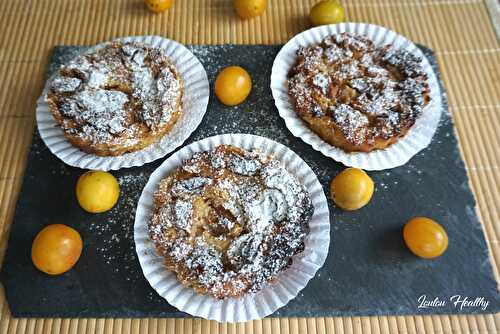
x=117, y=99
x=229, y=221
x=355, y=95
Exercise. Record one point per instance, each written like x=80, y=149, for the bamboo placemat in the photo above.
x=459, y=31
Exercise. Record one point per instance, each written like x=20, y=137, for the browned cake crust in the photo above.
x=229, y=221
x=356, y=96
x=116, y=100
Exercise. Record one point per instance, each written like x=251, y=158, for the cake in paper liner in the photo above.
x=418, y=136
x=272, y=295
x=194, y=103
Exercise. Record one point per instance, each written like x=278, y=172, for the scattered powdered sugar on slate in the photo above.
x=116, y=234
x=257, y=115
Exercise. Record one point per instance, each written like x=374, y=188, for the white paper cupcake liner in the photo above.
x=194, y=106
x=419, y=136
x=272, y=296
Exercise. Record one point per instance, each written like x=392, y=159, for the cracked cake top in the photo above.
x=355, y=95
x=229, y=220
x=117, y=99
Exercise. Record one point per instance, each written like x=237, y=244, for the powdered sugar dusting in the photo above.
x=115, y=236
x=381, y=90
x=233, y=224
x=117, y=94
x=351, y=122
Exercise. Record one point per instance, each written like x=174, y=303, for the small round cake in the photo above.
x=228, y=221
x=355, y=95
x=118, y=99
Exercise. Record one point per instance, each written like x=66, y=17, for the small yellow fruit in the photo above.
x=250, y=8
x=327, y=12
x=425, y=238
x=159, y=6
x=97, y=191
x=351, y=189
x=232, y=86
x=56, y=249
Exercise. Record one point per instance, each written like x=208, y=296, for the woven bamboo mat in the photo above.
x=459, y=31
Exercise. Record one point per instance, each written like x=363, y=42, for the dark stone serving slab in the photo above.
x=369, y=271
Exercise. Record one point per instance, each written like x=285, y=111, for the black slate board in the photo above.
x=368, y=271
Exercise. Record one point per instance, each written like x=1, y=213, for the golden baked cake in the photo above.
x=116, y=100
x=357, y=96
x=228, y=221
